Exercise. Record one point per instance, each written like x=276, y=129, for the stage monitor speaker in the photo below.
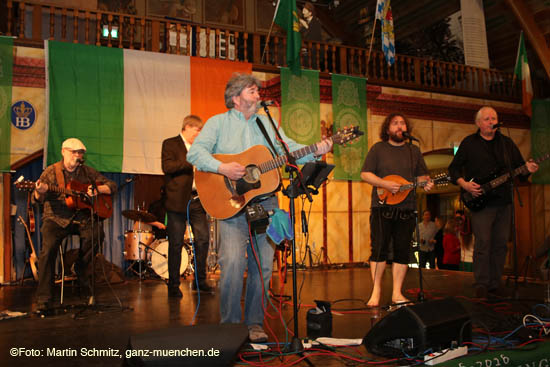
x=415, y=329
x=199, y=345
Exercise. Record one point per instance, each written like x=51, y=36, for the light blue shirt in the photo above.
x=231, y=133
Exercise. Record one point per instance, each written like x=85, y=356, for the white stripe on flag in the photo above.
x=157, y=96
x=380, y=9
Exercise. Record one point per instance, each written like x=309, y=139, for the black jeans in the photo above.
x=391, y=227
x=426, y=257
x=176, y=230
x=52, y=237
x=491, y=227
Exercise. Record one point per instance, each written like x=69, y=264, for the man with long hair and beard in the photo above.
x=392, y=225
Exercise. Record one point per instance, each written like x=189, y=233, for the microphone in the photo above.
x=406, y=135
x=266, y=103
x=80, y=161
x=496, y=126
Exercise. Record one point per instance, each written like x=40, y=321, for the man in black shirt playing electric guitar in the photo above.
x=481, y=154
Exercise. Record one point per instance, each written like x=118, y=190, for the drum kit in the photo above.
x=140, y=246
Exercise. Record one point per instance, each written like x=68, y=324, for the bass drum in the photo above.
x=159, y=259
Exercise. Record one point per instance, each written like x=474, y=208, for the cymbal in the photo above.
x=139, y=215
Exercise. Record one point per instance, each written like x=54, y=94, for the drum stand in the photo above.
x=142, y=246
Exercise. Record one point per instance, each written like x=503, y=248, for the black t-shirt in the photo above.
x=385, y=159
x=482, y=160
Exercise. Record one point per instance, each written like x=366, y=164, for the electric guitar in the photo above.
x=222, y=197
x=388, y=198
x=33, y=259
x=76, y=196
x=492, y=182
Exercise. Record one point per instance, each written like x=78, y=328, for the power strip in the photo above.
x=444, y=355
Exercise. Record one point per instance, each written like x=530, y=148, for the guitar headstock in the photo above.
x=24, y=185
x=346, y=134
x=441, y=179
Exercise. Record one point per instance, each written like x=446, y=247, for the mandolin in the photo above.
x=387, y=198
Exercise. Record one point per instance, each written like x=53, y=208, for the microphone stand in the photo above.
x=92, y=199
x=513, y=187
x=292, y=168
x=417, y=226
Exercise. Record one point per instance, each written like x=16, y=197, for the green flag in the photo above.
x=540, y=139
x=6, y=66
x=349, y=108
x=286, y=16
x=300, y=100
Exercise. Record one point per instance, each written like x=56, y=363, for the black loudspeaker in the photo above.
x=414, y=329
x=199, y=345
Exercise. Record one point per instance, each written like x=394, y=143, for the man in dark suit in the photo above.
x=181, y=191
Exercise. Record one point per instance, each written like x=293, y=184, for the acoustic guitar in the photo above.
x=222, y=197
x=76, y=196
x=388, y=198
x=490, y=183
x=33, y=259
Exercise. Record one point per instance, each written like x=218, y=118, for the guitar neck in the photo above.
x=516, y=172
x=281, y=160
x=62, y=190
x=411, y=185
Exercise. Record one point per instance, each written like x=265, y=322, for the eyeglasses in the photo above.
x=76, y=151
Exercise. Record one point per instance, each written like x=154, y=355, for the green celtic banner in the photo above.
x=6, y=66
x=540, y=138
x=300, y=106
x=349, y=108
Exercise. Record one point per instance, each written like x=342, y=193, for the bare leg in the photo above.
x=398, y=272
x=376, y=271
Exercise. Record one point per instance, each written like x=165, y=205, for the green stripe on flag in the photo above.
x=286, y=16
x=6, y=69
x=86, y=101
x=300, y=106
x=349, y=108
x=540, y=139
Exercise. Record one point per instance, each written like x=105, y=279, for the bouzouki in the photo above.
x=33, y=259
x=388, y=198
x=222, y=197
x=492, y=182
x=76, y=196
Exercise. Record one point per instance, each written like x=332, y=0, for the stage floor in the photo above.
x=81, y=332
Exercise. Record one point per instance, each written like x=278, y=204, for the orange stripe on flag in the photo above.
x=208, y=80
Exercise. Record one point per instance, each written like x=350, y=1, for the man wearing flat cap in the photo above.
x=60, y=221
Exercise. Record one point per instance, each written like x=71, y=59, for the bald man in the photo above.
x=478, y=156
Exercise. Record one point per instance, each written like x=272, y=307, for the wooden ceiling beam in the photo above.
x=535, y=36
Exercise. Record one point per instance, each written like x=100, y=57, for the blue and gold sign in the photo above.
x=23, y=115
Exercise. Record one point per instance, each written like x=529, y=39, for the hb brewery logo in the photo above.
x=23, y=115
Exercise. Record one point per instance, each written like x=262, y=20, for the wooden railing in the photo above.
x=32, y=23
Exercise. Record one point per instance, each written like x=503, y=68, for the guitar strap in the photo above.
x=59, y=177
x=262, y=128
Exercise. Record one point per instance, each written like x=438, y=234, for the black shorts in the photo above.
x=391, y=230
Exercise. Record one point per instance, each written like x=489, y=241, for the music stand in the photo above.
x=313, y=174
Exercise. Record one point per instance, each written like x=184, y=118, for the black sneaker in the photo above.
x=203, y=287
x=174, y=292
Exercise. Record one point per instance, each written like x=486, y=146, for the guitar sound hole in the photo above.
x=252, y=174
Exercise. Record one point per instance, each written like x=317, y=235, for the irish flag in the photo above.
x=123, y=103
x=523, y=73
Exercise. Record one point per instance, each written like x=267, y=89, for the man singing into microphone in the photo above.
x=479, y=155
x=392, y=225
x=59, y=221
